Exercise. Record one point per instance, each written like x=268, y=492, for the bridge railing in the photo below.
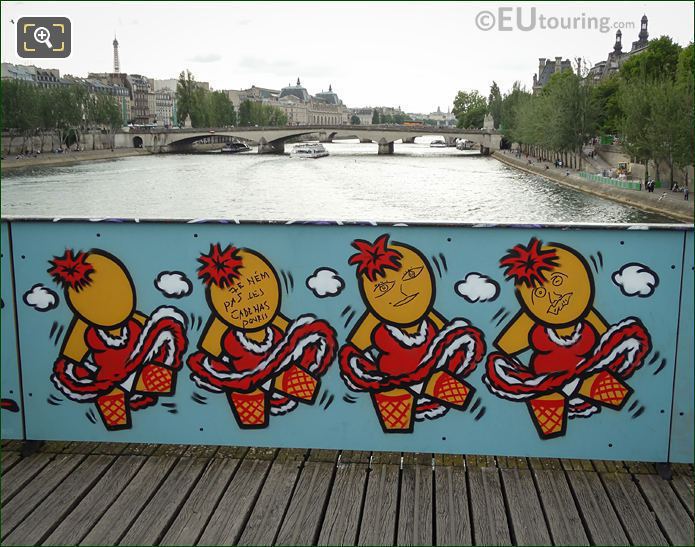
x=549, y=341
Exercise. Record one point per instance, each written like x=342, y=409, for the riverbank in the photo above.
x=49, y=159
x=670, y=204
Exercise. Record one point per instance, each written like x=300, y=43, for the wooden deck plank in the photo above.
x=198, y=507
x=33, y=493
x=9, y=459
x=269, y=510
x=490, y=526
x=230, y=516
x=560, y=510
x=341, y=522
x=302, y=522
x=152, y=522
x=452, y=518
x=82, y=518
x=378, y=524
x=683, y=486
x=416, y=512
x=124, y=510
x=603, y=525
x=527, y=520
x=638, y=521
x=674, y=519
x=51, y=511
x=21, y=473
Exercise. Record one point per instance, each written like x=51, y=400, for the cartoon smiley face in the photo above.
x=253, y=299
x=405, y=296
x=108, y=301
x=565, y=296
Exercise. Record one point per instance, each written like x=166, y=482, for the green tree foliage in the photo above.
x=658, y=61
x=375, y=117
x=494, y=104
x=205, y=108
x=607, y=103
x=264, y=115
x=28, y=110
x=511, y=104
x=470, y=108
x=355, y=119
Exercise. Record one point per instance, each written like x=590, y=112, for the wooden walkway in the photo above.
x=115, y=494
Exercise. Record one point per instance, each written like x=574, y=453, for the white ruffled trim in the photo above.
x=71, y=394
x=589, y=411
x=565, y=342
x=430, y=414
x=409, y=340
x=253, y=347
x=630, y=346
x=164, y=338
x=289, y=406
x=114, y=341
x=314, y=338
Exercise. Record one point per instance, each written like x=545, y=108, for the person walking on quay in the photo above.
x=686, y=192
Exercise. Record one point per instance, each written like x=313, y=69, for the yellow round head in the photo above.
x=107, y=299
x=565, y=295
x=250, y=299
x=404, y=296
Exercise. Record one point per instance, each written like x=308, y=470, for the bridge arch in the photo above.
x=137, y=142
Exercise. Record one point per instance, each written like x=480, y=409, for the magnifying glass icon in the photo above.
x=43, y=36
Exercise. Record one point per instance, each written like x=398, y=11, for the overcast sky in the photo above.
x=409, y=54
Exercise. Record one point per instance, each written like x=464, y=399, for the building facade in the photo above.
x=546, y=69
x=165, y=107
x=609, y=67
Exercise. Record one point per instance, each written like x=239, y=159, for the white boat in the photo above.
x=310, y=151
x=234, y=148
x=438, y=143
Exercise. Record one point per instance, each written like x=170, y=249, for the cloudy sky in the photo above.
x=409, y=54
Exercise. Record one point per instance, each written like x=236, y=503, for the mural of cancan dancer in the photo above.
x=113, y=355
x=578, y=362
x=409, y=358
x=264, y=363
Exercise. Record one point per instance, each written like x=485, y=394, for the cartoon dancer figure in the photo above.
x=113, y=355
x=419, y=361
x=577, y=360
x=249, y=351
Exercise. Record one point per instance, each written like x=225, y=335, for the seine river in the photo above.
x=418, y=183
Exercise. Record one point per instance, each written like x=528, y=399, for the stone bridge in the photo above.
x=271, y=140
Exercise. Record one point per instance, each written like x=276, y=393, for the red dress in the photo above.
x=111, y=353
x=555, y=354
x=400, y=352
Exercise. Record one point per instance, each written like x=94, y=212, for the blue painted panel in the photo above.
x=684, y=385
x=340, y=417
x=11, y=413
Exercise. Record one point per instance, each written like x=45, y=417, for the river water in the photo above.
x=418, y=183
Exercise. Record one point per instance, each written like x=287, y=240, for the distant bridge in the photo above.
x=271, y=140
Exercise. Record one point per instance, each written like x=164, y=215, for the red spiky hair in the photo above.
x=220, y=267
x=373, y=259
x=71, y=271
x=527, y=264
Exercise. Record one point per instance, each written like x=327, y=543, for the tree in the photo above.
x=470, y=108
x=375, y=117
x=245, y=113
x=185, y=94
x=606, y=98
x=511, y=103
x=355, y=119
x=658, y=61
x=494, y=104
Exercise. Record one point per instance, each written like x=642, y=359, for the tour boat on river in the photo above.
x=311, y=151
x=234, y=148
x=438, y=143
